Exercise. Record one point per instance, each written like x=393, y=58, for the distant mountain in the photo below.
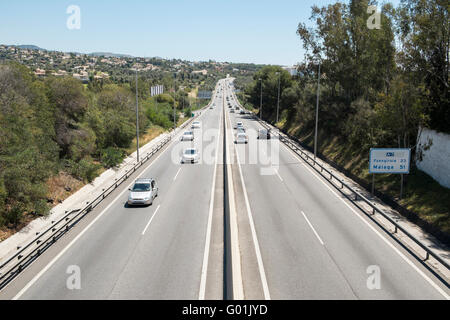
x=109, y=54
x=95, y=54
x=30, y=47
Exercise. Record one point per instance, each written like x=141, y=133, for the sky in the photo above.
x=248, y=31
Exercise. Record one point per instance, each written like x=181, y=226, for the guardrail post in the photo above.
x=427, y=256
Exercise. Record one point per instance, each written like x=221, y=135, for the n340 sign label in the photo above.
x=390, y=161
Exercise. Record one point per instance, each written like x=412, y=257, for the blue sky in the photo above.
x=262, y=31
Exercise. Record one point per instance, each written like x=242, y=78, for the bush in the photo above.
x=85, y=169
x=14, y=215
x=111, y=157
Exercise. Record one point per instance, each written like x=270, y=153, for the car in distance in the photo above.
x=190, y=155
x=238, y=124
x=242, y=111
x=231, y=110
x=264, y=134
x=241, y=137
x=187, y=136
x=196, y=125
x=143, y=192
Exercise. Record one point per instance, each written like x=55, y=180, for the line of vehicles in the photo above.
x=145, y=190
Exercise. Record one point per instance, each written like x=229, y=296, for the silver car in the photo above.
x=241, y=138
x=196, y=125
x=187, y=136
x=238, y=124
x=143, y=193
x=190, y=155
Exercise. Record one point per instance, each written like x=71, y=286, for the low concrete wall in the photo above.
x=433, y=155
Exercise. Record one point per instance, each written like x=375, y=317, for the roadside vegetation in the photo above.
x=58, y=133
x=378, y=87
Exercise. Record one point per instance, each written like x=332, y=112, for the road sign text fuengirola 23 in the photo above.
x=390, y=161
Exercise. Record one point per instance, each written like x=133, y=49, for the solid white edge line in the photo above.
x=202, y=290
x=407, y=260
x=175, y=178
x=151, y=219
x=314, y=230
x=262, y=273
x=278, y=174
x=52, y=262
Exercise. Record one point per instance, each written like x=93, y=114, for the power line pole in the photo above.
x=317, y=114
x=260, y=103
x=137, y=118
x=278, y=101
x=174, y=102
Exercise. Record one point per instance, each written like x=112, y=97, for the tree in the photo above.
x=424, y=28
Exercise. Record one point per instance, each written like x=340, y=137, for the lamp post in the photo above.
x=278, y=100
x=174, y=102
x=317, y=114
x=137, y=118
x=260, y=103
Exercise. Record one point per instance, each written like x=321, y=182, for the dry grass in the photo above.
x=57, y=186
x=149, y=135
x=60, y=187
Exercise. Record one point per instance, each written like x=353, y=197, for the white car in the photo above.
x=241, y=137
x=187, y=136
x=238, y=124
x=190, y=156
x=143, y=192
x=196, y=125
x=264, y=134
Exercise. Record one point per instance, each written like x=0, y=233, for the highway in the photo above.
x=154, y=252
x=297, y=237
x=313, y=243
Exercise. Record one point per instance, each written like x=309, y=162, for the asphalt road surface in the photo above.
x=297, y=237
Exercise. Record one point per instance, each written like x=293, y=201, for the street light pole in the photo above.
x=260, y=103
x=137, y=118
x=174, y=102
x=317, y=114
x=278, y=101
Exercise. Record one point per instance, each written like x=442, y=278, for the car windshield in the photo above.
x=190, y=151
x=188, y=133
x=140, y=187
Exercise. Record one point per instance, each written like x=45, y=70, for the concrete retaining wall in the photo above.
x=433, y=156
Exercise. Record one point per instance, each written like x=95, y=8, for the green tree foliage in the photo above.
x=159, y=110
x=58, y=124
x=28, y=152
x=424, y=29
x=367, y=97
x=269, y=79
